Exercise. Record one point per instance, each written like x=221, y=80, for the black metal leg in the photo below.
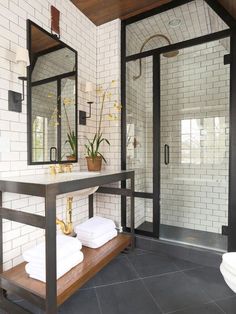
x=51, y=262
x=91, y=213
x=132, y=224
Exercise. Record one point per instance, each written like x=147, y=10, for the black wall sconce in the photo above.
x=14, y=98
x=82, y=114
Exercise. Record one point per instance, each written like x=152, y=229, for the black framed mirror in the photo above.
x=51, y=99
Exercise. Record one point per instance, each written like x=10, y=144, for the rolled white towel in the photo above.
x=38, y=271
x=65, y=246
x=228, y=277
x=94, y=227
x=99, y=241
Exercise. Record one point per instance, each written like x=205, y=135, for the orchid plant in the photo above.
x=93, y=146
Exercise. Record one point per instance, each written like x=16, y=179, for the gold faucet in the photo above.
x=60, y=168
x=67, y=227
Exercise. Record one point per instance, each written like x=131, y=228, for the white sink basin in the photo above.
x=80, y=174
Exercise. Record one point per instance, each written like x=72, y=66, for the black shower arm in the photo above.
x=141, y=50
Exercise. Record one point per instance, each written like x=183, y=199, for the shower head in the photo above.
x=171, y=54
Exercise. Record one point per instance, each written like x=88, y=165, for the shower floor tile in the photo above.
x=143, y=282
x=199, y=238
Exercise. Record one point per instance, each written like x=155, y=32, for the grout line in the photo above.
x=152, y=297
x=221, y=299
x=219, y=307
x=98, y=300
x=139, y=278
x=113, y=284
x=189, y=307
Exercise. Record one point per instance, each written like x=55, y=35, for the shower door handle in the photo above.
x=166, y=154
x=53, y=154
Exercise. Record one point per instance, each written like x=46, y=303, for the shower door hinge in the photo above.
x=225, y=230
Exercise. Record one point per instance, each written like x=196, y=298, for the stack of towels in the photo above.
x=68, y=256
x=228, y=269
x=96, y=231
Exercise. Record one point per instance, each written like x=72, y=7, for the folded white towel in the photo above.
x=38, y=271
x=98, y=242
x=229, y=259
x=228, y=277
x=65, y=245
x=95, y=227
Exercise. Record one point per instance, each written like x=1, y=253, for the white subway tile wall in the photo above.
x=108, y=69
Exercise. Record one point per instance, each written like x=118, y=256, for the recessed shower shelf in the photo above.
x=94, y=261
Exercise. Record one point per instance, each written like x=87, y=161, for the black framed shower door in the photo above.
x=229, y=230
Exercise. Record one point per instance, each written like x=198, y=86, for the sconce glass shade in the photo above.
x=88, y=87
x=22, y=60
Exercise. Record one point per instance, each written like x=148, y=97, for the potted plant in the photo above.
x=71, y=136
x=94, y=156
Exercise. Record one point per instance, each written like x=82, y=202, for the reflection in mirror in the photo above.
x=52, y=99
x=44, y=120
x=68, y=137
x=53, y=63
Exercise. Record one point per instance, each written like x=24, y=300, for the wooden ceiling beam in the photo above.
x=103, y=11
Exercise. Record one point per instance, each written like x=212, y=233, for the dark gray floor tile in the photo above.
x=228, y=305
x=129, y=297
x=174, y=291
x=82, y=302
x=210, y=308
x=119, y=270
x=184, y=265
x=211, y=281
x=150, y=264
x=136, y=252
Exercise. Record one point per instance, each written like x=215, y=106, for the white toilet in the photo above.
x=228, y=269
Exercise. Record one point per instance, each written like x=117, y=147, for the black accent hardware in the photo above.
x=83, y=116
x=14, y=101
x=167, y=154
x=226, y=59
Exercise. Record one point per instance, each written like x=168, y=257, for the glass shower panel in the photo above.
x=139, y=135
x=195, y=135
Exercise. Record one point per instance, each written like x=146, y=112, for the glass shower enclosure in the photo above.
x=177, y=141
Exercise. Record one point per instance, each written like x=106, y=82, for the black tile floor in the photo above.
x=142, y=282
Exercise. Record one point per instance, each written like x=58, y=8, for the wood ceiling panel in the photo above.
x=230, y=6
x=102, y=11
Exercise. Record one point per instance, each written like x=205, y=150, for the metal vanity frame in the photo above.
x=48, y=222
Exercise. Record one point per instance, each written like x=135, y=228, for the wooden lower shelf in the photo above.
x=94, y=261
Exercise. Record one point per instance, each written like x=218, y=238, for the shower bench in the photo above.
x=48, y=296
